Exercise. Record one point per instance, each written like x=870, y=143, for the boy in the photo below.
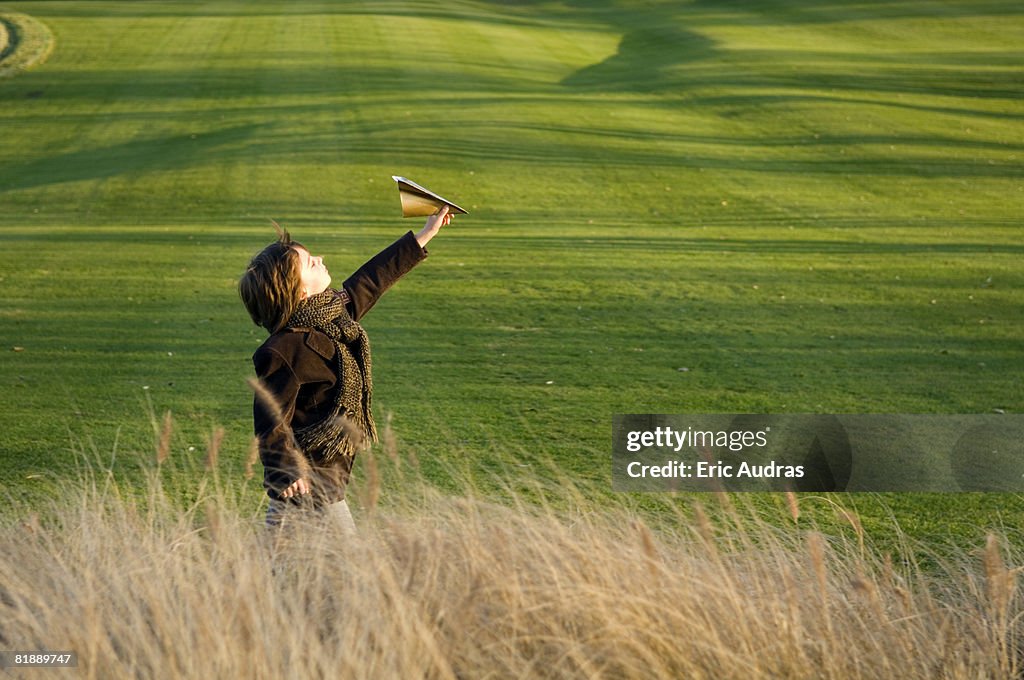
x=313, y=405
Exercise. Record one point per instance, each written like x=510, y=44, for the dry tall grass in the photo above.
x=442, y=586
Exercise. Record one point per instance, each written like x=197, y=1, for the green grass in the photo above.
x=813, y=207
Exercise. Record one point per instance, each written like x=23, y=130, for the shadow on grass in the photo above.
x=493, y=141
x=160, y=153
x=595, y=248
x=783, y=12
x=657, y=54
x=642, y=58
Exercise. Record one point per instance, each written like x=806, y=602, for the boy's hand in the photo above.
x=297, y=488
x=433, y=225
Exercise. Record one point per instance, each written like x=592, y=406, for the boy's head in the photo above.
x=271, y=286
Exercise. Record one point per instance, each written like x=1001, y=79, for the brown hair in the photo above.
x=271, y=286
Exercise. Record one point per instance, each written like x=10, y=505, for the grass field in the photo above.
x=812, y=207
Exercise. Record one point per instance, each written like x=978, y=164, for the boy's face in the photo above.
x=313, y=274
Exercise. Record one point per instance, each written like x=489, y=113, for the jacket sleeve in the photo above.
x=272, y=422
x=371, y=280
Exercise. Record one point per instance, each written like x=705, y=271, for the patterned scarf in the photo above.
x=331, y=440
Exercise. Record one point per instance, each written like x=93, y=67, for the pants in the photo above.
x=281, y=513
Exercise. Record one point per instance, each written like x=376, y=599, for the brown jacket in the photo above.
x=297, y=366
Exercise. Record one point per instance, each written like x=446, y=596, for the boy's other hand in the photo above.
x=297, y=488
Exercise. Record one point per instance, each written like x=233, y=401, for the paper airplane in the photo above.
x=418, y=201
